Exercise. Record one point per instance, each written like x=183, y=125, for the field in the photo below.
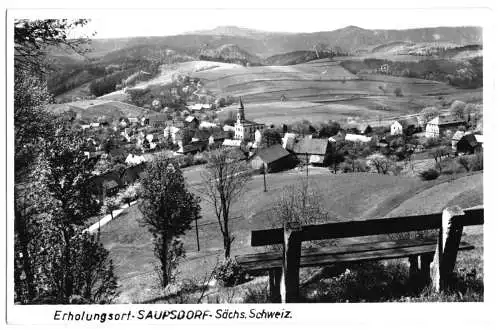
x=131, y=246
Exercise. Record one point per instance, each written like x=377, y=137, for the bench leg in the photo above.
x=274, y=285
x=425, y=267
x=413, y=266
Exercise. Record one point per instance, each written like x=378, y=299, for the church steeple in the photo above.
x=241, y=112
x=241, y=107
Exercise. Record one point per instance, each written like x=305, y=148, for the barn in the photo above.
x=273, y=159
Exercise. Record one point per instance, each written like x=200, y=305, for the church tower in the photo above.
x=241, y=112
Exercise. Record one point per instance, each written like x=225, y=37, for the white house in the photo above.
x=441, y=124
x=207, y=124
x=396, y=128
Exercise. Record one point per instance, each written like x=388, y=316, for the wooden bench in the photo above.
x=283, y=266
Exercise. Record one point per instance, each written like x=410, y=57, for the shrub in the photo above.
x=398, y=92
x=228, y=273
x=429, y=174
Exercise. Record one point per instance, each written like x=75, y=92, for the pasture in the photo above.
x=131, y=247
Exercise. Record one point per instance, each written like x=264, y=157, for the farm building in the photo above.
x=232, y=143
x=245, y=129
x=272, y=159
x=156, y=120
x=441, y=125
x=312, y=151
x=357, y=138
x=455, y=138
x=289, y=141
x=207, y=124
x=191, y=122
x=396, y=128
x=468, y=144
x=193, y=147
x=364, y=128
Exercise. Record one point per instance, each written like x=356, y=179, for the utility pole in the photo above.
x=197, y=235
x=265, y=185
x=307, y=166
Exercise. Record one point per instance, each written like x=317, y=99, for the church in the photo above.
x=245, y=129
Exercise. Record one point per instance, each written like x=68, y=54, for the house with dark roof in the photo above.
x=272, y=159
x=468, y=144
x=312, y=151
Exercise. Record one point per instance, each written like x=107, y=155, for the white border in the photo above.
x=383, y=315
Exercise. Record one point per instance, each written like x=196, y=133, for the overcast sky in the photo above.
x=116, y=23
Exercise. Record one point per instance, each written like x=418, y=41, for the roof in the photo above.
x=479, y=138
x=231, y=143
x=110, y=184
x=357, y=137
x=272, y=154
x=469, y=139
x=311, y=146
x=190, y=119
x=458, y=135
x=158, y=117
x=246, y=122
x=446, y=120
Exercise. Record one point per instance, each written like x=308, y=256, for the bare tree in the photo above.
x=224, y=180
x=299, y=203
x=380, y=162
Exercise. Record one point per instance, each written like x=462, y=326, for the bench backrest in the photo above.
x=473, y=216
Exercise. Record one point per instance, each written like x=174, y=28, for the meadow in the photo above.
x=345, y=197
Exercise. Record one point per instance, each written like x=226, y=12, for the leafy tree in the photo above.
x=130, y=194
x=33, y=39
x=109, y=205
x=329, y=129
x=336, y=156
x=33, y=124
x=457, y=108
x=271, y=137
x=428, y=114
x=224, y=180
x=168, y=209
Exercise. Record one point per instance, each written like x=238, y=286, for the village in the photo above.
x=134, y=141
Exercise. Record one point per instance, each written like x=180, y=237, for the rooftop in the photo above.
x=272, y=154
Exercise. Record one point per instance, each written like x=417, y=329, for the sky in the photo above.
x=119, y=23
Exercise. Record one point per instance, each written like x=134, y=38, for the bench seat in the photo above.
x=314, y=257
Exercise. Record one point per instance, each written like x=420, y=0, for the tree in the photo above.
x=224, y=180
x=33, y=39
x=33, y=124
x=457, y=109
x=428, y=113
x=329, y=129
x=336, y=156
x=299, y=203
x=168, y=209
x=109, y=205
x=380, y=163
x=271, y=137
x=130, y=194
x=438, y=153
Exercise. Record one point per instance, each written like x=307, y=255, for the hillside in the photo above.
x=92, y=109
x=264, y=44
x=229, y=53
x=130, y=243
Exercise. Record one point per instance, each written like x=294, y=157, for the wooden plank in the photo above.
x=359, y=247
x=324, y=260
x=367, y=227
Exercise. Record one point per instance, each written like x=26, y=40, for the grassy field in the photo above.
x=131, y=246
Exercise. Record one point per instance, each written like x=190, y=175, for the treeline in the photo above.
x=232, y=60
x=110, y=82
x=463, y=74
